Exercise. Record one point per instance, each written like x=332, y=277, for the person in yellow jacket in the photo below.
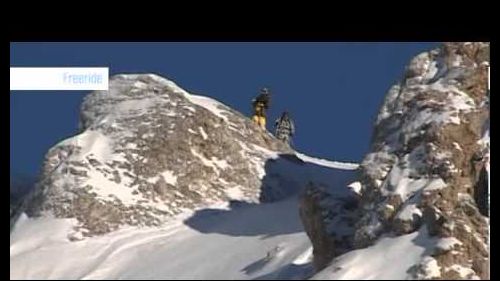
x=260, y=105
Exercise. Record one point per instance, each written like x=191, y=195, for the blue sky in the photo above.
x=332, y=90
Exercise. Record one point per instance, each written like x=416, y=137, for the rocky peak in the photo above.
x=149, y=150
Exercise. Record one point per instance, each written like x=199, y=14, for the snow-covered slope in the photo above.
x=389, y=259
x=164, y=184
x=229, y=240
x=235, y=245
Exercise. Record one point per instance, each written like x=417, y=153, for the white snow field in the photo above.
x=390, y=258
x=232, y=240
x=244, y=244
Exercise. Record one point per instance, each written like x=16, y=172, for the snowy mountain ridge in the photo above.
x=156, y=171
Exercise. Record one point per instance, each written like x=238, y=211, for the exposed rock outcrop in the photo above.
x=329, y=220
x=428, y=165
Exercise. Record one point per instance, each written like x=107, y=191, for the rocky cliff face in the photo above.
x=149, y=150
x=427, y=169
